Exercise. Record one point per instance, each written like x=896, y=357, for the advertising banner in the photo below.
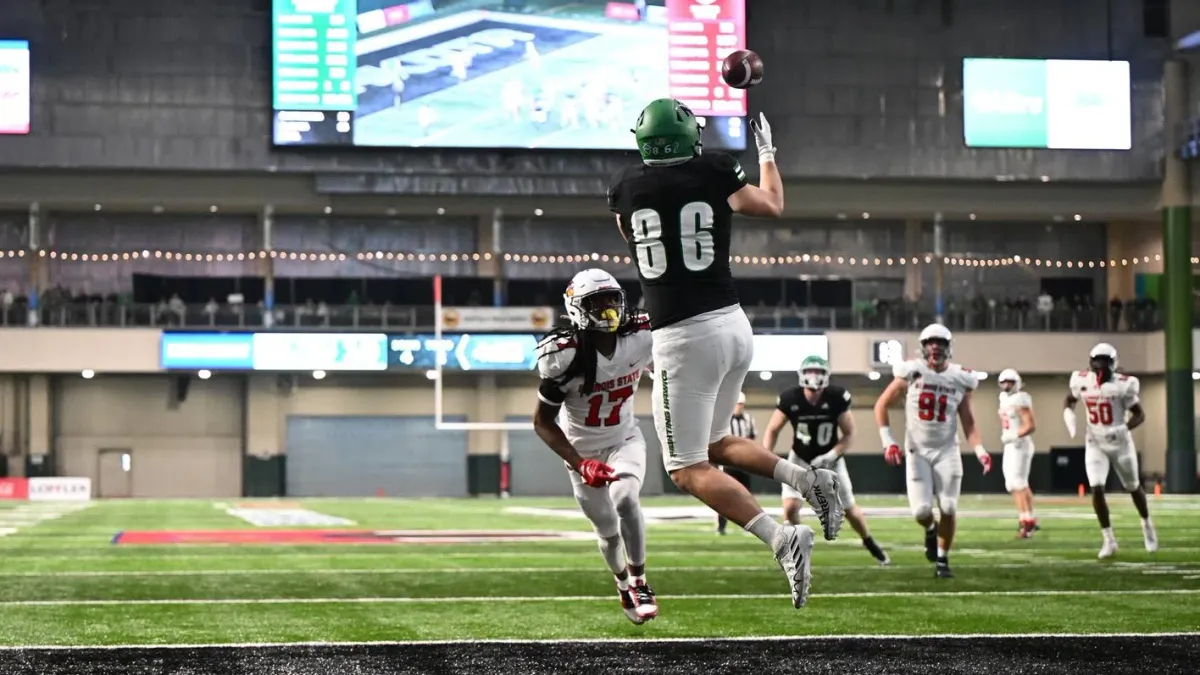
x=497, y=319
x=60, y=489
x=14, y=488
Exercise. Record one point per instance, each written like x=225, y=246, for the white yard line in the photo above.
x=1145, y=568
x=570, y=598
x=608, y=641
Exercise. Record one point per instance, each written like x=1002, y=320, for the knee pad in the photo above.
x=624, y=494
x=948, y=506
x=923, y=512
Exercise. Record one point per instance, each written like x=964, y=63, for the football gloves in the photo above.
x=984, y=458
x=596, y=473
x=826, y=461
x=761, y=129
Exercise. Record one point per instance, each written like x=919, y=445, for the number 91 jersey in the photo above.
x=815, y=423
x=1107, y=405
x=931, y=404
x=678, y=223
x=603, y=417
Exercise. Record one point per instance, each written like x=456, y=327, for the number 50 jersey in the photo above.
x=931, y=404
x=678, y=223
x=816, y=424
x=603, y=417
x=1107, y=404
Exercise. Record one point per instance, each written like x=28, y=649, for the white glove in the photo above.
x=1069, y=420
x=762, y=138
x=825, y=461
x=1008, y=436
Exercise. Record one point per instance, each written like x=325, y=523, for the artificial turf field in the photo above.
x=64, y=583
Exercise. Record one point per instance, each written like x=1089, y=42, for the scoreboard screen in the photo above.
x=536, y=74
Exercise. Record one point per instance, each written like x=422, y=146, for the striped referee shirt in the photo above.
x=742, y=425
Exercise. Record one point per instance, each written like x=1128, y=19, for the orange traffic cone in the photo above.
x=1158, y=489
x=1082, y=491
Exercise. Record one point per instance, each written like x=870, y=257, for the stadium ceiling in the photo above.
x=295, y=193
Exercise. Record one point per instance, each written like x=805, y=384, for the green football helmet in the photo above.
x=814, y=373
x=667, y=133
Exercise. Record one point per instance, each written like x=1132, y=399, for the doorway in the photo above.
x=114, y=473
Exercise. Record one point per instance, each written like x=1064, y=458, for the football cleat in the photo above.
x=793, y=551
x=826, y=502
x=942, y=570
x=629, y=607
x=1108, y=549
x=645, y=604
x=1150, y=536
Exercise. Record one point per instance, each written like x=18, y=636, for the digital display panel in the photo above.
x=533, y=74
x=1053, y=104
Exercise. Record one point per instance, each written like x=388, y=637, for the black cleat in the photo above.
x=931, y=544
x=942, y=569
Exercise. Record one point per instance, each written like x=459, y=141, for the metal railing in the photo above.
x=410, y=318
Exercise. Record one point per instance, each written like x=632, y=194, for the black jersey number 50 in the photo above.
x=695, y=238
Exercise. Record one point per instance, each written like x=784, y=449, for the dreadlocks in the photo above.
x=586, y=353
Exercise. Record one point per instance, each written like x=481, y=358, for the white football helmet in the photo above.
x=814, y=373
x=1103, y=360
x=595, y=301
x=935, y=343
x=1012, y=377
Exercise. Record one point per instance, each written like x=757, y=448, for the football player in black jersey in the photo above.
x=675, y=209
x=820, y=414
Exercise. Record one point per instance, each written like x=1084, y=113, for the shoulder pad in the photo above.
x=905, y=369
x=554, y=355
x=1026, y=401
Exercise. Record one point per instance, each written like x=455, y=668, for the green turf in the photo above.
x=63, y=582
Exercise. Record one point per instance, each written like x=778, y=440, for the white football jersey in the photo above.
x=603, y=417
x=1011, y=405
x=931, y=404
x=1107, y=406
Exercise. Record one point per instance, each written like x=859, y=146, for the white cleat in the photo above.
x=1150, y=536
x=793, y=551
x=1108, y=549
x=823, y=496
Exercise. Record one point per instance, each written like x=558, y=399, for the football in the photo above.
x=742, y=69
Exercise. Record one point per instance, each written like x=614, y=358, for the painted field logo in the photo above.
x=287, y=517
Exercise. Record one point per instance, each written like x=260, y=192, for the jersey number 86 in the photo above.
x=695, y=238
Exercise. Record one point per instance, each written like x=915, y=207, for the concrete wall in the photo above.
x=195, y=449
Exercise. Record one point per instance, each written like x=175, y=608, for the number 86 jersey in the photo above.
x=1106, y=406
x=931, y=403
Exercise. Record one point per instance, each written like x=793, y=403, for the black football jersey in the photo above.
x=815, y=424
x=678, y=222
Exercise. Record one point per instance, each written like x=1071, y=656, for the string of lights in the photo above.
x=548, y=259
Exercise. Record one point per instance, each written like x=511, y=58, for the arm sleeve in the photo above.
x=728, y=175
x=614, y=187
x=551, y=393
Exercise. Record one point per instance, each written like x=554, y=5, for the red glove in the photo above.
x=893, y=455
x=984, y=458
x=596, y=473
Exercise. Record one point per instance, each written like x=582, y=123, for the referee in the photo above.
x=741, y=424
